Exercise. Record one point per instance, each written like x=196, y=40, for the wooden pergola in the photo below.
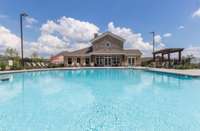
x=168, y=51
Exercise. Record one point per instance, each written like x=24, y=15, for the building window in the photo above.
x=78, y=60
x=87, y=61
x=69, y=61
x=115, y=60
x=108, y=45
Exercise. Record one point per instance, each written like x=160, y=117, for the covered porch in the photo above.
x=101, y=60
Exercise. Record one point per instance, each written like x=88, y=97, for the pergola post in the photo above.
x=169, y=59
x=154, y=56
x=179, y=56
x=162, y=57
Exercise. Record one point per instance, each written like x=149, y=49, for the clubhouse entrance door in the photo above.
x=108, y=61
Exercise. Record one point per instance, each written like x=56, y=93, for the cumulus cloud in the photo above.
x=196, y=13
x=47, y=45
x=192, y=50
x=64, y=34
x=8, y=39
x=71, y=34
x=30, y=21
x=159, y=42
x=181, y=27
x=2, y=16
x=158, y=39
x=167, y=35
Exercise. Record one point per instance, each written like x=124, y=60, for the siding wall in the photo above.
x=101, y=44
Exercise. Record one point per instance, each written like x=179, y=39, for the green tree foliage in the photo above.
x=10, y=52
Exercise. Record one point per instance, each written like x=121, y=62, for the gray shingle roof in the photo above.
x=107, y=33
x=88, y=51
x=81, y=52
x=133, y=51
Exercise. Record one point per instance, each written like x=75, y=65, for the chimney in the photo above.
x=95, y=35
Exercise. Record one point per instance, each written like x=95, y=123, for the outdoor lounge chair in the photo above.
x=77, y=64
x=91, y=64
x=72, y=64
x=42, y=64
x=46, y=64
x=28, y=65
x=39, y=65
x=34, y=65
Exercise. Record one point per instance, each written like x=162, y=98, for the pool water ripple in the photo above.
x=99, y=100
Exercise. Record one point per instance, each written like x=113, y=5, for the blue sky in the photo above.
x=141, y=16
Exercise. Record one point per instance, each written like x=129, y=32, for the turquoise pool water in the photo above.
x=99, y=100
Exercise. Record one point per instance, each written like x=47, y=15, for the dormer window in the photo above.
x=108, y=45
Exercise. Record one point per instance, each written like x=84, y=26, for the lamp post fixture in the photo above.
x=21, y=31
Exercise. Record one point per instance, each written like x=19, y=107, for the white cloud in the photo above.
x=196, y=13
x=70, y=34
x=48, y=44
x=2, y=16
x=181, y=27
x=8, y=39
x=158, y=39
x=30, y=21
x=159, y=42
x=192, y=50
x=167, y=35
x=64, y=34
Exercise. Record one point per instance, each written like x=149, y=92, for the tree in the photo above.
x=10, y=52
x=188, y=59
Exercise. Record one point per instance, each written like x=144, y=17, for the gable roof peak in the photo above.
x=105, y=34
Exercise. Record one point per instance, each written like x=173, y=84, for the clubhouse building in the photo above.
x=105, y=50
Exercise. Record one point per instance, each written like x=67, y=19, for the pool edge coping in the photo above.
x=169, y=71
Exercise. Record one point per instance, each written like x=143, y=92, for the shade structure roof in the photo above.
x=168, y=50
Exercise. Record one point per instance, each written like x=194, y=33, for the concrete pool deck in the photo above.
x=189, y=72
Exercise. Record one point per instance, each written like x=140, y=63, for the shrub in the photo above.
x=186, y=66
x=55, y=65
x=2, y=66
x=16, y=65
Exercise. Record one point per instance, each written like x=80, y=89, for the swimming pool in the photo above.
x=99, y=100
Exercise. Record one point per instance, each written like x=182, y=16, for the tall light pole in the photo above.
x=153, y=34
x=21, y=31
